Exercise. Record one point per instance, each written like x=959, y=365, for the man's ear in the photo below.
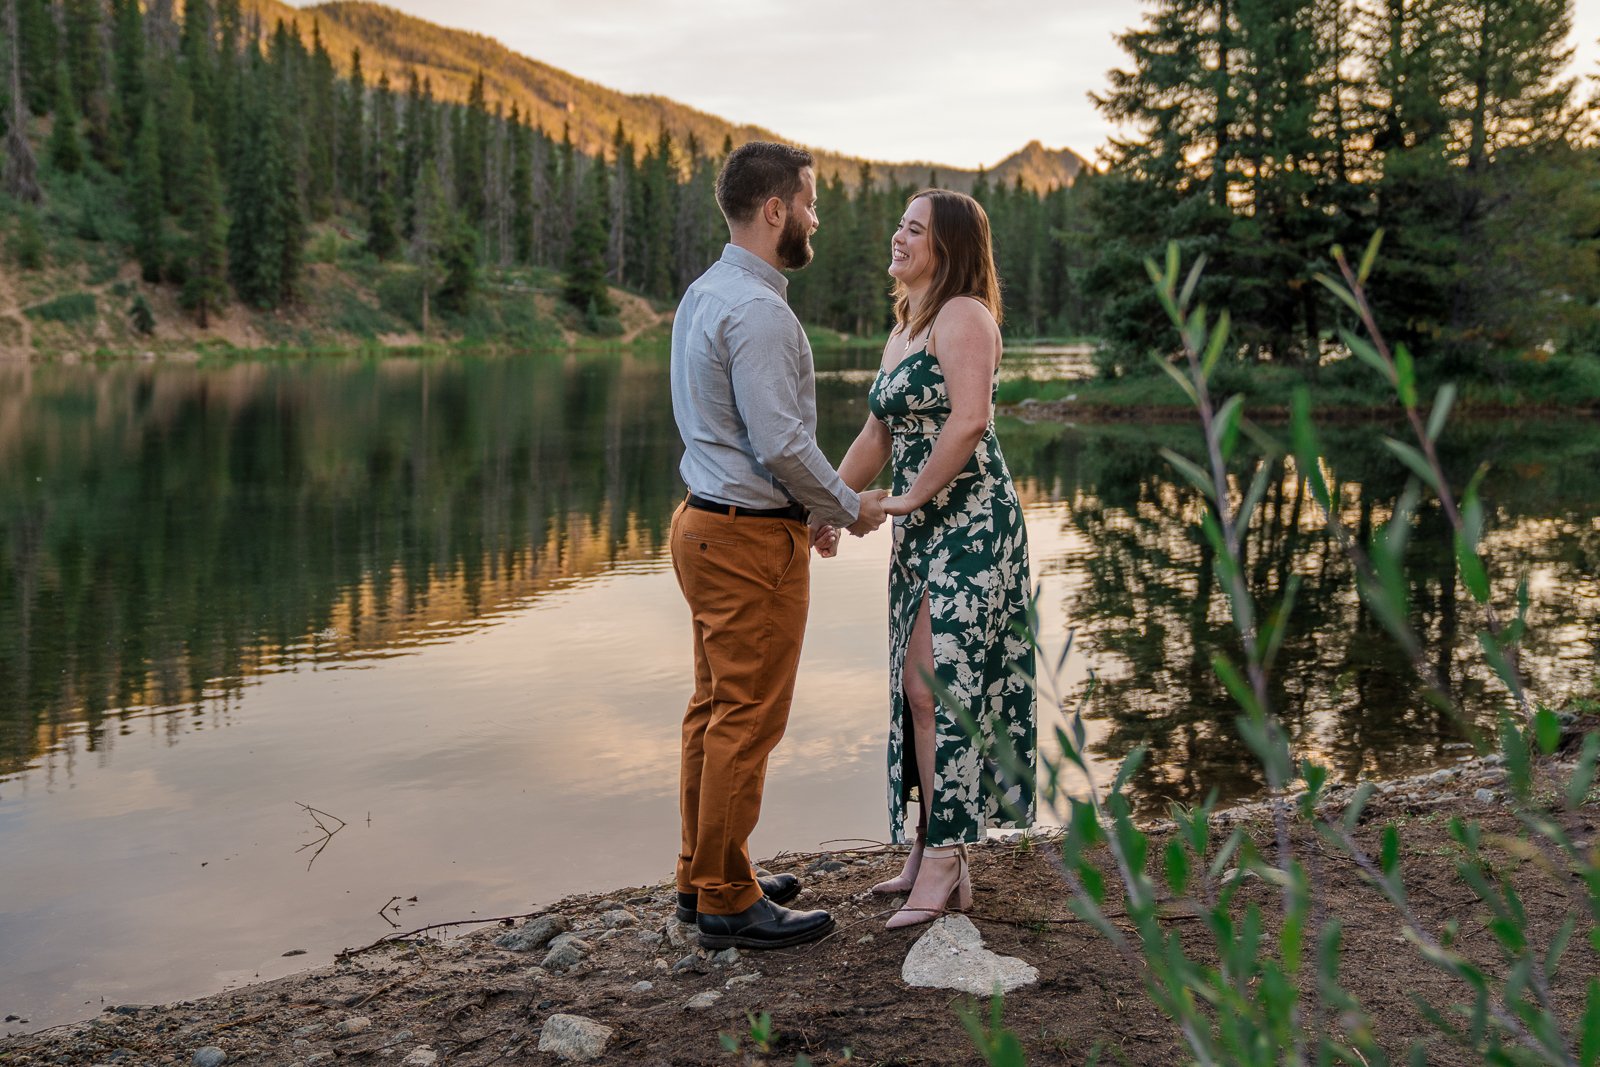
x=773, y=210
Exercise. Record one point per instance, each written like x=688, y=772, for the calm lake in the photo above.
x=425, y=604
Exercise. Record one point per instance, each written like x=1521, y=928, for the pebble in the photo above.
x=420, y=1057
x=663, y=965
x=566, y=956
x=677, y=933
x=319, y=1057
x=354, y=1025
x=308, y=1029
x=701, y=1001
x=824, y=866
x=650, y=937
x=619, y=917
x=1484, y=796
x=575, y=1038
x=726, y=956
x=209, y=1056
x=643, y=987
x=742, y=980
x=398, y=1039
x=691, y=962
x=535, y=933
x=864, y=939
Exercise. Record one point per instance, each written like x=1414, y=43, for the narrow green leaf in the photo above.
x=1415, y=460
x=1363, y=350
x=1177, y=862
x=1589, y=1028
x=1178, y=376
x=1473, y=576
x=1191, y=470
x=1337, y=289
x=1405, y=375
x=1389, y=857
x=1369, y=257
x=1443, y=401
x=1307, y=449
x=1358, y=804
x=1546, y=730
x=1225, y=426
x=1219, y=341
x=1236, y=685
x=1583, y=774
x=1193, y=280
x=1170, y=278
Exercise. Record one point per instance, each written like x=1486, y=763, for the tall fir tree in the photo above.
x=585, y=287
x=205, y=283
x=66, y=146
x=149, y=203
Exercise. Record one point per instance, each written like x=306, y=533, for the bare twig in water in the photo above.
x=317, y=815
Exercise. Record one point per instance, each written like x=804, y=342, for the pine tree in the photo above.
x=471, y=155
x=383, y=213
x=66, y=147
x=266, y=233
x=433, y=223
x=522, y=221
x=33, y=36
x=352, y=134
x=585, y=287
x=205, y=285
x=149, y=203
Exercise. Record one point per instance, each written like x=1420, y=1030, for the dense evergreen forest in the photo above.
x=1260, y=133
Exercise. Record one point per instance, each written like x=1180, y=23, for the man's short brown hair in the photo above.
x=754, y=173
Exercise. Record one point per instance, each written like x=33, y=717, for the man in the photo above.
x=744, y=396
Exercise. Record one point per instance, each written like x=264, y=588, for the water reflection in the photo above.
x=429, y=597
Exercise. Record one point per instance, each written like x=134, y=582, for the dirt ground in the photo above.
x=462, y=1000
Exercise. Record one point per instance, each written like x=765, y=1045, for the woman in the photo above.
x=958, y=582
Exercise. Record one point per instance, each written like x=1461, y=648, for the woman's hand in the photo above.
x=898, y=505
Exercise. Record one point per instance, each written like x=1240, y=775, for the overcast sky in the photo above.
x=950, y=82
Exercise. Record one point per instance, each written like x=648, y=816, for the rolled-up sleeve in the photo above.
x=769, y=370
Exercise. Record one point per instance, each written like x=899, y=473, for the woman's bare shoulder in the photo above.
x=965, y=323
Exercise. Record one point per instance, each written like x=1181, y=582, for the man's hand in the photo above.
x=871, y=515
x=825, y=539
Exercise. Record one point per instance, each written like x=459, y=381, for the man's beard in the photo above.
x=794, y=244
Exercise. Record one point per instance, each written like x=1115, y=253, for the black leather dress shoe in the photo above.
x=763, y=925
x=778, y=888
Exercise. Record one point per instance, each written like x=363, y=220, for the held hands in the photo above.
x=871, y=515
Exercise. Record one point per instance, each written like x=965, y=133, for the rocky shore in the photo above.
x=615, y=978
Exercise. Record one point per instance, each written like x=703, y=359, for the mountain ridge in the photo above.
x=395, y=43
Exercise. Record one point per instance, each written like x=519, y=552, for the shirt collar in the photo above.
x=735, y=256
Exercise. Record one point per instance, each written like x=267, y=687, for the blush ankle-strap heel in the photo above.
x=902, y=882
x=948, y=877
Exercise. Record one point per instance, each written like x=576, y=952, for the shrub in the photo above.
x=27, y=243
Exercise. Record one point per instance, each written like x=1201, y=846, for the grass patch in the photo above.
x=67, y=310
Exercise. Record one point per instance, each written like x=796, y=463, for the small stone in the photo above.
x=1236, y=874
x=354, y=1025
x=650, y=937
x=702, y=1001
x=308, y=1029
x=320, y=1057
x=561, y=940
x=574, y=1038
x=209, y=1056
x=1484, y=796
x=295, y=952
x=742, y=980
x=864, y=939
x=677, y=933
x=643, y=987
x=564, y=957
x=691, y=962
x=619, y=917
x=663, y=965
x=862, y=863
x=824, y=866
x=726, y=956
x=420, y=1057
x=533, y=934
x=398, y=1039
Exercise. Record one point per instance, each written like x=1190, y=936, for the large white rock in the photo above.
x=951, y=956
x=574, y=1038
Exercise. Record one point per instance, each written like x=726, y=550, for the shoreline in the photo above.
x=620, y=960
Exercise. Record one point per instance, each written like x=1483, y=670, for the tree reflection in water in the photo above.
x=168, y=533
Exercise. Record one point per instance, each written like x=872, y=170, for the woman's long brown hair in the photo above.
x=963, y=261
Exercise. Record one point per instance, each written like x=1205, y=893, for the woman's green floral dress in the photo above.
x=967, y=550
